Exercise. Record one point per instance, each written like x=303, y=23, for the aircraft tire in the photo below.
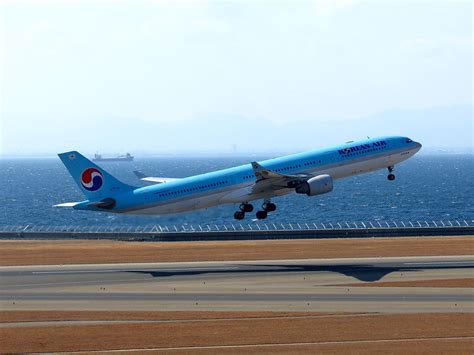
x=246, y=207
x=269, y=207
x=239, y=215
x=261, y=214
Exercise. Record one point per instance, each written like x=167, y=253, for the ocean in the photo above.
x=428, y=187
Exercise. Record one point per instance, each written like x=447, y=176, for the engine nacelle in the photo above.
x=317, y=185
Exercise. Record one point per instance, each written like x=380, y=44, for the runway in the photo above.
x=310, y=285
x=375, y=304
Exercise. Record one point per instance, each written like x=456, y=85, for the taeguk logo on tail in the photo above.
x=92, y=179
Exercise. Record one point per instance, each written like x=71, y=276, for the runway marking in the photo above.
x=441, y=263
x=212, y=347
x=242, y=262
x=73, y=271
x=131, y=270
x=85, y=283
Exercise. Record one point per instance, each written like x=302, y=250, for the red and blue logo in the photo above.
x=92, y=179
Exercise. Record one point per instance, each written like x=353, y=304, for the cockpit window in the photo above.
x=409, y=140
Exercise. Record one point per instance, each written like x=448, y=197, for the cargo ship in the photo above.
x=126, y=157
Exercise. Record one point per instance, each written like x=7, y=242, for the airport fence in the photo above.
x=238, y=227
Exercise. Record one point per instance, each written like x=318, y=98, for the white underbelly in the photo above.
x=183, y=205
x=166, y=208
x=348, y=168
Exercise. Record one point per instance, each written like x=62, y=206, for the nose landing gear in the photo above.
x=391, y=176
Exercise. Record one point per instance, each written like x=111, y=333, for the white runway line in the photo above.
x=441, y=263
x=71, y=267
x=128, y=270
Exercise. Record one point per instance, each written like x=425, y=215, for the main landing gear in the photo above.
x=244, y=207
x=267, y=206
x=390, y=176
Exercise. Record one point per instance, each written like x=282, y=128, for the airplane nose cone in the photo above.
x=417, y=146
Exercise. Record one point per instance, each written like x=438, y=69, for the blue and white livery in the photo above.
x=309, y=173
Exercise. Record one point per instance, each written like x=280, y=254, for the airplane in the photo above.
x=309, y=173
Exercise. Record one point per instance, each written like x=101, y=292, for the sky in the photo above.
x=164, y=77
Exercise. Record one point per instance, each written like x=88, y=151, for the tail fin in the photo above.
x=93, y=181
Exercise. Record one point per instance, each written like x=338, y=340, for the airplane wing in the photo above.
x=158, y=180
x=271, y=180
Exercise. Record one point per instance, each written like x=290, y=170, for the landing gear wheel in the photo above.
x=269, y=207
x=246, y=207
x=239, y=215
x=391, y=177
x=261, y=214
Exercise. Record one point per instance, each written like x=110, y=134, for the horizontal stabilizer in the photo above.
x=67, y=204
x=158, y=180
x=106, y=203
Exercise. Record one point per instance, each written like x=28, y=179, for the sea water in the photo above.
x=427, y=187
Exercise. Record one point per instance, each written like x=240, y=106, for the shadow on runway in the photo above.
x=366, y=273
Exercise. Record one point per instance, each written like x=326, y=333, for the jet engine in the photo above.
x=317, y=185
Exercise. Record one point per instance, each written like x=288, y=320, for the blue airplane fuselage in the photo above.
x=236, y=185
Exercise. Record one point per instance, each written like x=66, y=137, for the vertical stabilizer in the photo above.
x=93, y=181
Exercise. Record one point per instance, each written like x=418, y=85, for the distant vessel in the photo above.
x=126, y=157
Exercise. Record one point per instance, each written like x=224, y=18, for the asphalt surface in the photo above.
x=253, y=285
